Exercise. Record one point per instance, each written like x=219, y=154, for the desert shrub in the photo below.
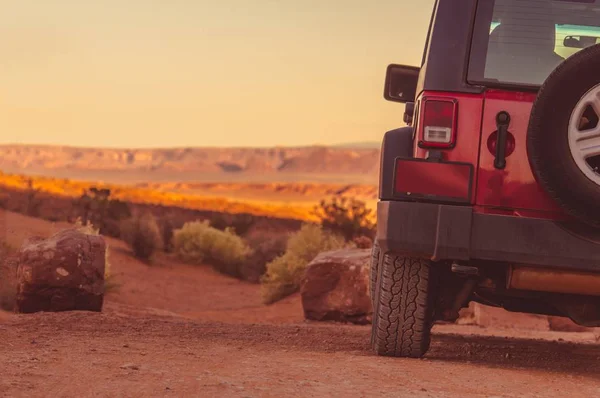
x=96, y=206
x=285, y=273
x=89, y=229
x=266, y=247
x=219, y=221
x=348, y=217
x=239, y=223
x=33, y=201
x=363, y=242
x=86, y=227
x=143, y=235
x=116, y=211
x=167, y=229
x=198, y=242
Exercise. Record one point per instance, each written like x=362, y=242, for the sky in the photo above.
x=174, y=73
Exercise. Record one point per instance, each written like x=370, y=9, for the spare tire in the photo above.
x=563, y=140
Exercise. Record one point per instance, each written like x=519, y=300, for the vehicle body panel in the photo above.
x=468, y=130
x=513, y=187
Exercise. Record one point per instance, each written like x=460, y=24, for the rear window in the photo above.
x=520, y=42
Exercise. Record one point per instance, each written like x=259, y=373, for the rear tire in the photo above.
x=403, y=307
x=548, y=145
x=375, y=260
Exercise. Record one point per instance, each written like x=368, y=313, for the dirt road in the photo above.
x=176, y=330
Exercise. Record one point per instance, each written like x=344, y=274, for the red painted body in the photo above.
x=513, y=190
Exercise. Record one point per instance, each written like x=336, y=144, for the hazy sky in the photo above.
x=148, y=73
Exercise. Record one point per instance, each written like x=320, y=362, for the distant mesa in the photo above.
x=346, y=159
x=230, y=167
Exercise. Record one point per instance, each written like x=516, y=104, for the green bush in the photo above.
x=143, y=235
x=266, y=247
x=197, y=242
x=285, y=273
x=348, y=217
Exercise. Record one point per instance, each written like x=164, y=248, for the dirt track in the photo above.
x=175, y=330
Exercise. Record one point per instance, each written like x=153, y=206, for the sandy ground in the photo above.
x=175, y=330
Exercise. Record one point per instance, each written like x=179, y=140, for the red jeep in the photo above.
x=492, y=192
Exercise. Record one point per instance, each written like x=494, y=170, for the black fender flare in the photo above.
x=396, y=143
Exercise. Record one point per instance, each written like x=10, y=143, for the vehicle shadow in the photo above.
x=492, y=352
x=489, y=351
x=515, y=352
x=512, y=353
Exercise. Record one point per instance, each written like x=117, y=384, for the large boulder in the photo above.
x=335, y=287
x=62, y=273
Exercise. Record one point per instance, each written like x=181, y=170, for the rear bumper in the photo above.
x=447, y=232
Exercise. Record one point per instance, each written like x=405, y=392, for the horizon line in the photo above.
x=352, y=145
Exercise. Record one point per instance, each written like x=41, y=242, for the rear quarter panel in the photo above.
x=514, y=187
x=470, y=108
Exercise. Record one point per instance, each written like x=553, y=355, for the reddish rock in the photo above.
x=335, y=287
x=363, y=242
x=560, y=324
x=486, y=316
x=62, y=273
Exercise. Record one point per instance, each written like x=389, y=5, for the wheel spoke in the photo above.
x=595, y=102
x=587, y=135
x=584, y=143
x=588, y=143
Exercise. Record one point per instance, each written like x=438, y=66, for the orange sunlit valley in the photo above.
x=265, y=199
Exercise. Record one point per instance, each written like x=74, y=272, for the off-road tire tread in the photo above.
x=375, y=259
x=403, y=310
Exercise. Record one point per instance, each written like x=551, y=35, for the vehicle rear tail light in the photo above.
x=438, y=123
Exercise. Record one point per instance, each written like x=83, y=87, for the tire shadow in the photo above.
x=488, y=351
x=515, y=353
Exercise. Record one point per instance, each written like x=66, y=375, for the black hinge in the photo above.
x=409, y=113
x=502, y=123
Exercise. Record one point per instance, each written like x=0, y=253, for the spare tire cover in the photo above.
x=564, y=135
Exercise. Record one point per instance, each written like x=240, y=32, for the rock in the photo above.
x=335, y=287
x=62, y=273
x=485, y=316
x=560, y=324
x=363, y=242
x=467, y=315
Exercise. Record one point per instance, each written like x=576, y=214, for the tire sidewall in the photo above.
x=548, y=140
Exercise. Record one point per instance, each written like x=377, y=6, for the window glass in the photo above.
x=523, y=41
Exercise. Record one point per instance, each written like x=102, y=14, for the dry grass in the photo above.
x=285, y=273
x=266, y=246
x=197, y=242
x=89, y=229
x=143, y=235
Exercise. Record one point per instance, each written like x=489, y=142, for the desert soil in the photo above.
x=174, y=330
